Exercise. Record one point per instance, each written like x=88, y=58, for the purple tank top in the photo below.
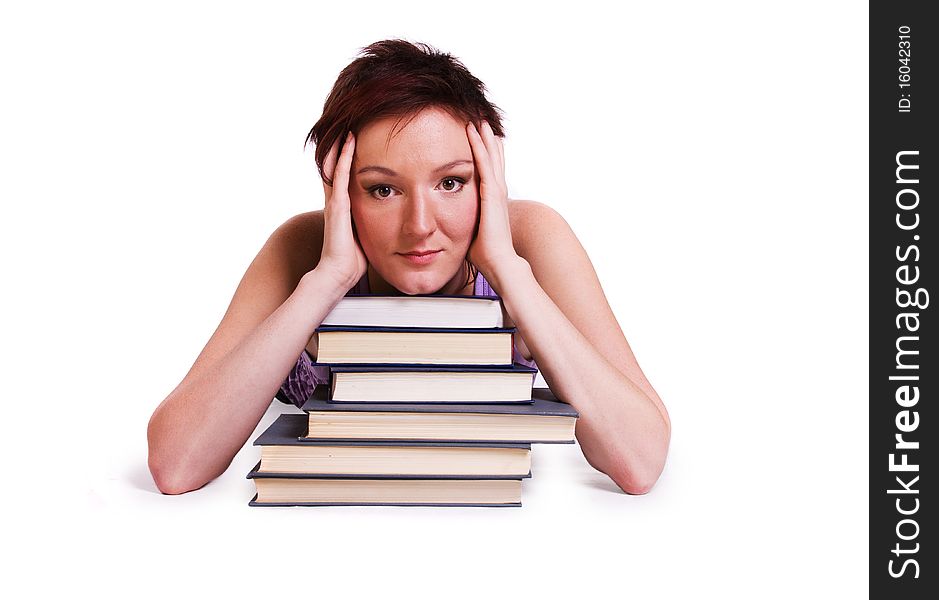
x=304, y=376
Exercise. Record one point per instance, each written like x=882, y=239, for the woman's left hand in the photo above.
x=493, y=243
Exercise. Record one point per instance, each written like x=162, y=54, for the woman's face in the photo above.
x=413, y=190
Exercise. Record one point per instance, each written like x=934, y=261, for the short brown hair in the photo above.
x=396, y=78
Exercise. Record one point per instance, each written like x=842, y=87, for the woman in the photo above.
x=411, y=157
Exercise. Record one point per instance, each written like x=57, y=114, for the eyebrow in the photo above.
x=390, y=173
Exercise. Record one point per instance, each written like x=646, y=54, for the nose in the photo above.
x=419, y=217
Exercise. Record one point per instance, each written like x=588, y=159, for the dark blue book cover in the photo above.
x=379, y=329
x=392, y=367
x=290, y=430
x=544, y=403
x=256, y=473
x=513, y=370
x=254, y=502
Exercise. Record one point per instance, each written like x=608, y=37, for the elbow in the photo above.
x=635, y=480
x=638, y=473
x=168, y=470
x=635, y=485
x=169, y=482
x=170, y=479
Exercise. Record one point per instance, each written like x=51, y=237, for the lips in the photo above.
x=421, y=257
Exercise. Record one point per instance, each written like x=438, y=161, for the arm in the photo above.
x=197, y=430
x=555, y=300
x=623, y=428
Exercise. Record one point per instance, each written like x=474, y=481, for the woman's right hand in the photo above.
x=342, y=256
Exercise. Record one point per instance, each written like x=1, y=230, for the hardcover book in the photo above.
x=313, y=490
x=544, y=420
x=285, y=449
x=416, y=311
x=414, y=345
x=407, y=383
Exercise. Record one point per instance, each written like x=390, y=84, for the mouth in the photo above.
x=420, y=257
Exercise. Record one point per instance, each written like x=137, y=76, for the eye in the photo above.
x=452, y=184
x=381, y=191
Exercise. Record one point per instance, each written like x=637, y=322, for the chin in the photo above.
x=420, y=283
x=412, y=288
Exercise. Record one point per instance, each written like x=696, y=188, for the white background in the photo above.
x=711, y=157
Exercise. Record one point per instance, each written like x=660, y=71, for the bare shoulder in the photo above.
x=533, y=224
x=545, y=240
x=558, y=261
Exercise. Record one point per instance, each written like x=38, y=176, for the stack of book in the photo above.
x=424, y=407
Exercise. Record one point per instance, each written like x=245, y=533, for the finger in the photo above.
x=343, y=166
x=500, y=159
x=491, y=141
x=501, y=146
x=494, y=147
x=329, y=163
x=480, y=154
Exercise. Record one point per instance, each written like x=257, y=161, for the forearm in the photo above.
x=621, y=430
x=199, y=428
